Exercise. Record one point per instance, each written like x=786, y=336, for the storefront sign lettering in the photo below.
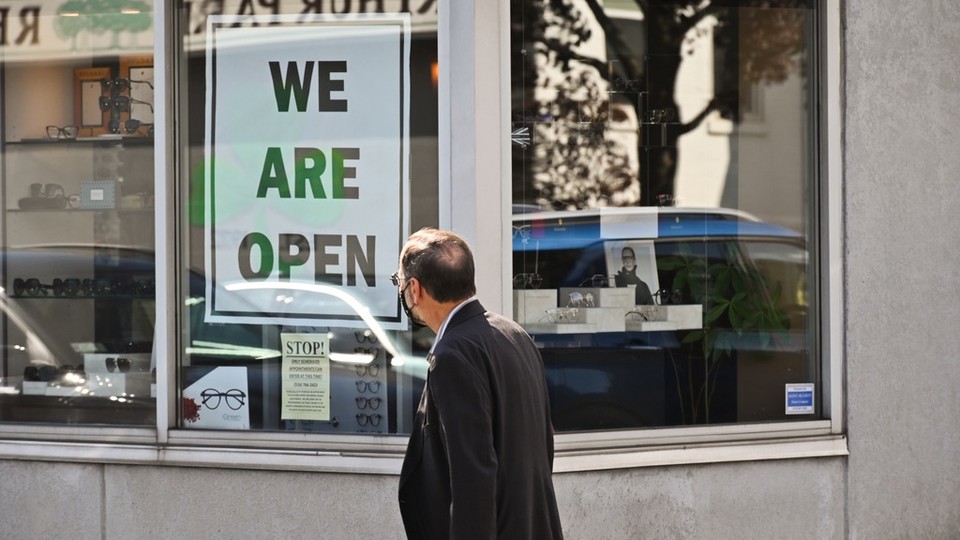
x=305, y=377
x=27, y=22
x=293, y=250
x=307, y=167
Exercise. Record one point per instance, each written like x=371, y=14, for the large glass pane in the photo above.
x=309, y=151
x=77, y=222
x=664, y=173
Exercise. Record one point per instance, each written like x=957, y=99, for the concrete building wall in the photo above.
x=771, y=500
x=902, y=208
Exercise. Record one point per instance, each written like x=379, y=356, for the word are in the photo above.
x=293, y=250
x=309, y=164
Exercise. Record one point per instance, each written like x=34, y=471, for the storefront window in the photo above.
x=77, y=223
x=309, y=152
x=664, y=188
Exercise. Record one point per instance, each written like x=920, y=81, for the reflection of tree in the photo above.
x=101, y=16
x=69, y=26
x=756, y=41
x=580, y=150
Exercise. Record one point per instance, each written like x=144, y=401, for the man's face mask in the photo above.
x=407, y=309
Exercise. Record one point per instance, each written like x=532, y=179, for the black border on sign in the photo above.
x=214, y=26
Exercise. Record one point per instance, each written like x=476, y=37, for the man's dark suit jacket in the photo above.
x=480, y=457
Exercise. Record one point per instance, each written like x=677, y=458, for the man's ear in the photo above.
x=415, y=291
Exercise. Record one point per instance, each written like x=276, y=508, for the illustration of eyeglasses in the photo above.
x=234, y=398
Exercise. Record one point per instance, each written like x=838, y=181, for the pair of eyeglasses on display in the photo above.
x=82, y=287
x=29, y=287
x=62, y=132
x=69, y=375
x=120, y=364
x=596, y=280
x=527, y=281
x=372, y=351
x=368, y=386
x=121, y=84
x=556, y=315
x=371, y=419
x=666, y=297
x=641, y=313
x=365, y=402
x=368, y=370
x=578, y=299
x=234, y=398
x=131, y=127
x=120, y=103
x=41, y=373
x=365, y=336
x=48, y=191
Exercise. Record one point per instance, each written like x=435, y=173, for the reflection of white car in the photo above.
x=371, y=327
x=374, y=377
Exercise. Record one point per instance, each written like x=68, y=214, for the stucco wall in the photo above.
x=770, y=500
x=902, y=159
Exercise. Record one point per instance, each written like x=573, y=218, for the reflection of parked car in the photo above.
x=374, y=381
x=726, y=360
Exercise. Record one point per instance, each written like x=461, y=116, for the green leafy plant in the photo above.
x=737, y=301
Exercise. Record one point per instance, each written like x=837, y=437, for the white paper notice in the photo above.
x=305, y=377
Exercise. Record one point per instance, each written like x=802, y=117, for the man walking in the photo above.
x=480, y=458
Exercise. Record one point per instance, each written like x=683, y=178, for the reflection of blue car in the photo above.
x=642, y=372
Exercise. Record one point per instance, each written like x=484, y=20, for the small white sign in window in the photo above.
x=799, y=398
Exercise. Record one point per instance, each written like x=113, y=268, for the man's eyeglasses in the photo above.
x=397, y=280
x=62, y=132
x=233, y=397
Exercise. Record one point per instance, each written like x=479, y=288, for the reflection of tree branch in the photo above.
x=688, y=22
x=697, y=120
x=612, y=34
x=565, y=53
